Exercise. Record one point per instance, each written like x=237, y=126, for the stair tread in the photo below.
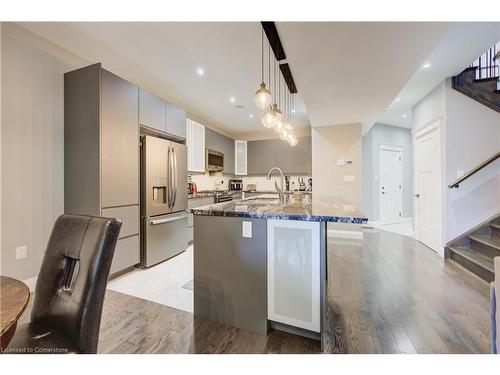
x=486, y=79
x=474, y=256
x=495, y=225
x=486, y=239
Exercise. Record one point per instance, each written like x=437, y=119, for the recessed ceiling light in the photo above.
x=232, y=99
x=405, y=115
x=200, y=72
x=398, y=99
x=250, y=115
x=426, y=65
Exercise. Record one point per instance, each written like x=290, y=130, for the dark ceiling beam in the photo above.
x=274, y=40
x=279, y=53
x=287, y=75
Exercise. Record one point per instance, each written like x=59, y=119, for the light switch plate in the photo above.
x=340, y=162
x=21, y=252
x=247, y=229
x=349, y=178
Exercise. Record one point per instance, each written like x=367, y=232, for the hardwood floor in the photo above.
x=386, y=294
x=391, y=294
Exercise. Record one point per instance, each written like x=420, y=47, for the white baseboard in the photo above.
x=336, y=233
x=31, y=283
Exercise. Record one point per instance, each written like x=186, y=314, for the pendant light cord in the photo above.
x=262, y=52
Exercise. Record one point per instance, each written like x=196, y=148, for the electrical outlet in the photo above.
x=21, y=252
x=247, y=229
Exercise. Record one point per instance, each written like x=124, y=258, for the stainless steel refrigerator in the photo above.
x=163, y=200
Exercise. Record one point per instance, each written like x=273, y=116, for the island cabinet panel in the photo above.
x=230, y=271
x=294, y=273
x=175, y=122
x=152, y=110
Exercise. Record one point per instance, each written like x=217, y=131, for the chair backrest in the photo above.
x=72, y=281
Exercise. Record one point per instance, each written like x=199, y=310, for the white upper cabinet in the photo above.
x=240, y=151
x=195, y=141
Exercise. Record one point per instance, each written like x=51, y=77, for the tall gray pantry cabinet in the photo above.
x=101, y=153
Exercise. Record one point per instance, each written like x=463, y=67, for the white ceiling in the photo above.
x=349, y=72
x=346, y=72
x=164, y=57
x=460, y=46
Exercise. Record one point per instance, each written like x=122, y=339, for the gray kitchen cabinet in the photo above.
x=268, y=155
x=126, y=254
x=228, y=151
x=254, y=157
x=175, y=121
x=284, y=156
x=152, y=111
x=119, y=142
x=213, y=140
x=302, y=156
x=101, y=153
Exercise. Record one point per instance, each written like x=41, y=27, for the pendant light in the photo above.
x=273, y=114
x=263, y=97
x=291, y=138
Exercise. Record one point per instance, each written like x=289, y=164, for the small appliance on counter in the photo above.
x=302, y=185
x=191, y=186
x=236, y=184
x=222, y=196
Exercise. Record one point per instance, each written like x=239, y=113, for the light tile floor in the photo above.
x=405, y=227
x=166, y=283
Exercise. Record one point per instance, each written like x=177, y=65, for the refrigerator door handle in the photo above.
x=167, y=220
x=174, y=185
x=170, y=177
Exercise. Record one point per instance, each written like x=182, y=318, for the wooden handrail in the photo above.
x=457, y=182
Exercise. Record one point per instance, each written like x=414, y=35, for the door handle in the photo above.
x=167, y=220
x=174, y=185
x=417, y=195
x=171, y=177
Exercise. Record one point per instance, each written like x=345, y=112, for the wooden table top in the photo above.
x=14, y=297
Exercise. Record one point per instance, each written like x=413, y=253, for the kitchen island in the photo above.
x=259, y=263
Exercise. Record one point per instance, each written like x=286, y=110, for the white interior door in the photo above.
x=390, y=184
x=428, y=186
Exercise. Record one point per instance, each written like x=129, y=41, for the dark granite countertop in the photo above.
x=307, y=208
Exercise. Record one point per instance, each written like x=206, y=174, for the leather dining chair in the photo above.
x=69, y=294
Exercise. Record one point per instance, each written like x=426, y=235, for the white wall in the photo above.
x=329, y=144
x=32, y=145
x=472, y=136
x=382, y=134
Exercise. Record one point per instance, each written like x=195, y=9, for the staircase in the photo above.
x=480, y=81
x=475, y=250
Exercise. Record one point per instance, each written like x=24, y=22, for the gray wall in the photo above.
x=31, y=145
x=382, y=134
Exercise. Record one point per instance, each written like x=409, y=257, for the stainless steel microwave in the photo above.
x=214, y=161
